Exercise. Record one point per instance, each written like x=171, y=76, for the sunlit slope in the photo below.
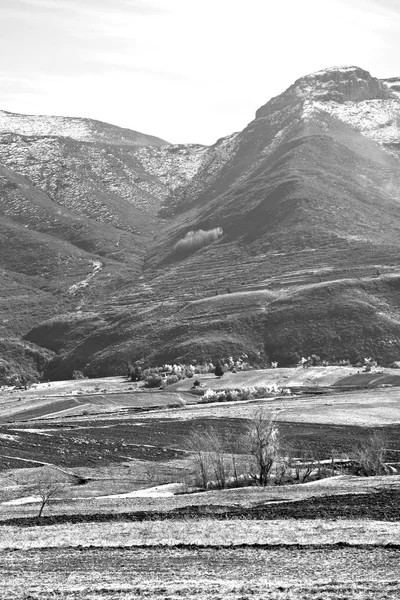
x=324, y=186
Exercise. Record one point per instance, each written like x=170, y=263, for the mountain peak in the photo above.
x=336, y=84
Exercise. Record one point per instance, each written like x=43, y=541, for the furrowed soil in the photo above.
x=212, y=573
x=105, y=442
x=382, y=505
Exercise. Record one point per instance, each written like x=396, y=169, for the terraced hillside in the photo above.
x=307, y=197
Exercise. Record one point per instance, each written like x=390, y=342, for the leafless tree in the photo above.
x=216, y=461
x=305, y=464
x=195, y=443
x=282, y=469
x=47, y=485
x=262, y=442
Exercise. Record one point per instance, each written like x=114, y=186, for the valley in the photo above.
x=276, y=247
x=121, y=523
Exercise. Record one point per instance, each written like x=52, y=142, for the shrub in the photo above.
x=315, y=360
x=136, y=373
x=153, y=380
x=232, y=395
x=369, y=455
x=172, y=379
x=209, y=396
x=219, y=370
x=246, y=393
x=78, y=375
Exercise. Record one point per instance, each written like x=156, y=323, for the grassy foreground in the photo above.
x=206, y=574
x=206, y=532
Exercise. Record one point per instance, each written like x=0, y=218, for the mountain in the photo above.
x=306, y=200
x=81, y=130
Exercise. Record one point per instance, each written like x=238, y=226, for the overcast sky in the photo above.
x=183, y=70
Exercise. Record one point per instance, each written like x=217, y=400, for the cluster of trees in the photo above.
x=260, y=457
x=171, y=373
x=244, y=393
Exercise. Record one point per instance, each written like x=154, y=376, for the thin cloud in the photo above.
x=389, y=8
x=379, y=13
x=137, y=7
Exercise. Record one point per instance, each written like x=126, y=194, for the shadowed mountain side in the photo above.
x=43, y=275
x=349, y=318
x=20, y=360
x=30, y=207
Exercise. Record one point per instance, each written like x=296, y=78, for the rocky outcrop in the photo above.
x=337, y=84
x=393, y=84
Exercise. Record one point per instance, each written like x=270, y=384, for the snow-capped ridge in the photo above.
x=393, y=84
x=76, y=128
x=335, y=84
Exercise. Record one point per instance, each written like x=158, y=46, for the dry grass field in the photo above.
x=202, y=533
x=119, y=526
x=290, y=573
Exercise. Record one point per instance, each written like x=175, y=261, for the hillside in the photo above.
x=307, y=196
x=83, y=130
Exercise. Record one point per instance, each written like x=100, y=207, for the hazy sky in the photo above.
x=183, y=70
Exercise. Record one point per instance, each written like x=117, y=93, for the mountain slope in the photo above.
x=308, y=199
x=83, y=130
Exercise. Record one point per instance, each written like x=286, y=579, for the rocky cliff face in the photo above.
x=352, y=95
x=338, y=84
x=393, y=84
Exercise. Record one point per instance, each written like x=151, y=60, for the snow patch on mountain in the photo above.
x=336, y=84
x=393, y=84
x=81, y=285
x=203, y=170
x=173, y=165
x=378, y=120
x=84, y=130
x=84, y=177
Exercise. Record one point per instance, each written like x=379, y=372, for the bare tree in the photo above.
x=195, y=443
x=218, y=457
x=215, y=459
x=262, y=442
x=305, y=464
x=47, y=485
x=282, y=469
x=47, y=491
